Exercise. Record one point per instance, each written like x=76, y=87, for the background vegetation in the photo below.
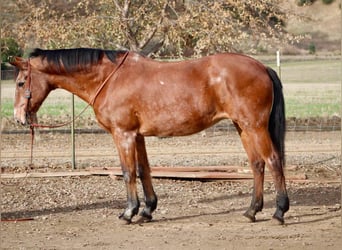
x=171, y=28
x=152, y=27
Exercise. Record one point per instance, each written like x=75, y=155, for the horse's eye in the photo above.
x=21, y=84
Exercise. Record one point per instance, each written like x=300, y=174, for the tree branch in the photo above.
x=126, y=27
x=152, y=33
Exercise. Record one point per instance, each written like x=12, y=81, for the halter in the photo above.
x=28, y=96
x=27, y=93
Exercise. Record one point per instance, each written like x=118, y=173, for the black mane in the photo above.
x=71, y=60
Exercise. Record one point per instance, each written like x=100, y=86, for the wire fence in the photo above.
x=7, y=74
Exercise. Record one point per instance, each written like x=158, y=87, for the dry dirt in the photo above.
x=81, y=212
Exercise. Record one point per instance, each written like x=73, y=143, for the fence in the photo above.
x=7, y=74
x=313, y=97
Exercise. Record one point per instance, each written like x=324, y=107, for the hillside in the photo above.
x=320, y=21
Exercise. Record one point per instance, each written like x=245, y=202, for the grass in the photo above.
x=311, y=89
x=299, y=109
x=316, y=71
x=58, y=103
x=49, y=108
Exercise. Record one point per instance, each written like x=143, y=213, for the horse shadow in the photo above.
x=305, y=196
x=114, y=204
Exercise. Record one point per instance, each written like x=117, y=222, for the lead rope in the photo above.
x=32, y=142
x=92, y=101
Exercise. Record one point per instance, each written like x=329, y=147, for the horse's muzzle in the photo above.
x=20, y=116
x=24, y=118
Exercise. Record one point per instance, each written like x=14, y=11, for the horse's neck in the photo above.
x=84, y=87
x=87, y=85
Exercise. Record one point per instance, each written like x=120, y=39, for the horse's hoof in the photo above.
x=124, y=219
x=144, y=217
x=250, y=216
x=278, y=220
x=142, y=220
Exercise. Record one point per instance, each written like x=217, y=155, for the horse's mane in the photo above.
x=71, y=60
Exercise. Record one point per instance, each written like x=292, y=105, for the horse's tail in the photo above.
x=277, y=122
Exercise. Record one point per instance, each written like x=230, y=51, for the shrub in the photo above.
x=9, y=48
x=312, y=48
x=327, y=1
x=304, y=2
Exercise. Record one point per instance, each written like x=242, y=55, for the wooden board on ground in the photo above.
x=178, y=172
x=201, y=173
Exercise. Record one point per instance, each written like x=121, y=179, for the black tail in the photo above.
x=277, y=123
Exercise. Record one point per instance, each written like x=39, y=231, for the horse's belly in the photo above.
x=176, y=125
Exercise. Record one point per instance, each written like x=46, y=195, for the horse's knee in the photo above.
x=259, y=166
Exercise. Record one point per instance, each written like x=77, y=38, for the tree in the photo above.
x=9, y=47
x=158, y=27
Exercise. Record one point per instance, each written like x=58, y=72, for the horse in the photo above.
x=134, y=96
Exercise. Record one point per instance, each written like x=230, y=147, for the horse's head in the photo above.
x=31, y=90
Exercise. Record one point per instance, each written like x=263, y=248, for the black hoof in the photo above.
x=278, y=219
x=145, y=216
x=143, y=219
x=250, y=215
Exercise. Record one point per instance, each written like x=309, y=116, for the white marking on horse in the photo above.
x=136, y=57
x=218, y=77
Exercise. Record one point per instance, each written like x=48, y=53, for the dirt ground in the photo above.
x=82, y=212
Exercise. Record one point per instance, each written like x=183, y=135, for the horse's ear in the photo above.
x=19, y=62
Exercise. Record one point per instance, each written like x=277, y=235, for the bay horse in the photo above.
x=134, y=96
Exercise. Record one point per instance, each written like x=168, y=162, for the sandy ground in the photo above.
x=82, y=212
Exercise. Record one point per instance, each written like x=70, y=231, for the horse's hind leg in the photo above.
x=264, y=147
x=257, y=165
x=146, y=180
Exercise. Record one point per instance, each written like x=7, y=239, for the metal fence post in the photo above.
x=278, y=64
x=73, y=160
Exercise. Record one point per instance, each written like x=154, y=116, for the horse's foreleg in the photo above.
x=257, y=165
x=126, y=145
x=146, y=180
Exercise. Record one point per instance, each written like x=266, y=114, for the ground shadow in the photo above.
x=302, y=196
x=117, y=204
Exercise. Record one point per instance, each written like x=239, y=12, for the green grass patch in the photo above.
x=321, y=71
x=63, y=109
x=6, y=108
x=49, y=109
x=311, y=88
x=298, y=108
